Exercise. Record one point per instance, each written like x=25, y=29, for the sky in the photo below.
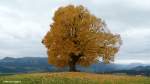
x=23, y=24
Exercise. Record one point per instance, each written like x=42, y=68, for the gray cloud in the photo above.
x=23, y=24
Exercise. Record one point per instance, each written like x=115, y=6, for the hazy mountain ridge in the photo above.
x=39, y=64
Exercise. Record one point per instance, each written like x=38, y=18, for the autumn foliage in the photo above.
x=78, y=37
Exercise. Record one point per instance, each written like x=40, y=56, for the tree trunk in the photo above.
x=72, y=67
x=73, y=61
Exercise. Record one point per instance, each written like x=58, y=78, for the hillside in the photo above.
x=39, y=64
x=73, y=78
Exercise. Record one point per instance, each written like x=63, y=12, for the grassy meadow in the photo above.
x=72, y=78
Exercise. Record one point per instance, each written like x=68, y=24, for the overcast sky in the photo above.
x=23, y=24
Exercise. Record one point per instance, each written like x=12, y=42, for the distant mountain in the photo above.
x=139, y=70
x=26, y=64
x=40, y=64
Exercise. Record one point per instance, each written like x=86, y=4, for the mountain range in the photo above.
x=40, y=64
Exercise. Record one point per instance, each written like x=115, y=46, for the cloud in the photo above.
x=23, y=24
x=130, y=61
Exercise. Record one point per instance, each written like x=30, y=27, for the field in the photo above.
x=72, y=78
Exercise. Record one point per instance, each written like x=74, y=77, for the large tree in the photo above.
x=78, y=37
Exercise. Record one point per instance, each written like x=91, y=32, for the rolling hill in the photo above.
x=39, y=64
x=72, y=78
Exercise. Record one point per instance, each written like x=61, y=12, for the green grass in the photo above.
x=72, y=78
x=56, y=80
x=29, y=79
x=5, y=74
